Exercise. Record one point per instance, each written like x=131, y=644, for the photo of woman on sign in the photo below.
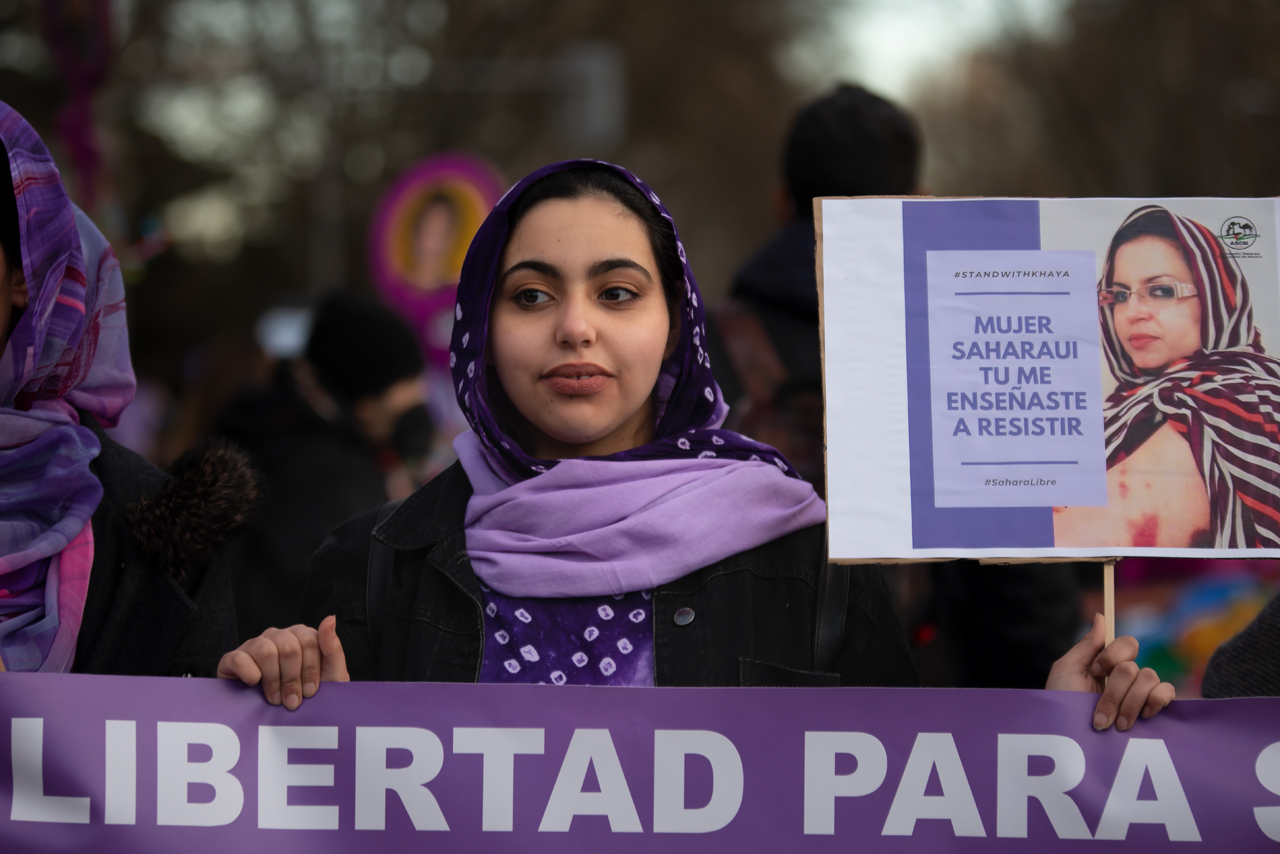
x=1193, y=442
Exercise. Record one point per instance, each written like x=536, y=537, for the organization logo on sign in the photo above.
x=1238, y=233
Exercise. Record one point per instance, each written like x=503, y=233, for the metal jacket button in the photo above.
x=684, y=616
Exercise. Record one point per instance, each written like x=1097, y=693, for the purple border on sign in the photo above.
x=942, y=225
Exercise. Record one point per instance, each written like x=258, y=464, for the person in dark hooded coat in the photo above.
x=321, y=434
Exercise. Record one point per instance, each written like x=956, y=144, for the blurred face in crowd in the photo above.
x=580, y=327
x=1155, y=326
x=13, y=295
x=433, y=238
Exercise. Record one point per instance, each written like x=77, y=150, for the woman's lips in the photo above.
x=1141, y=342
x=577, y=380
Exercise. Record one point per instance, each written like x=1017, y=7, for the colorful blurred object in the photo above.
x=420, y=232
x=1181, y=611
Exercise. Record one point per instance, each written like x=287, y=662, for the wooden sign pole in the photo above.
x=1109, y=598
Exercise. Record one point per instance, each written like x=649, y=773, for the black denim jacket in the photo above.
x=753, y=613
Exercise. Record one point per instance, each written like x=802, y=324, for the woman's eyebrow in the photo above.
x=551, y=271
x=609, y=264
x=1145, y=280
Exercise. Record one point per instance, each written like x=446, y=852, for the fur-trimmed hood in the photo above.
x=210, y=494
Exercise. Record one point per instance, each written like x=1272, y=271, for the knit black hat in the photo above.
x=359, y=348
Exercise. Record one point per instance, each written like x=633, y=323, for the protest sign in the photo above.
x=145, y=764
x=1035, y=378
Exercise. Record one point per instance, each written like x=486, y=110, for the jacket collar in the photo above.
x=436, y=511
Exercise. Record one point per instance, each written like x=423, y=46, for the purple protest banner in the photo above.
x=139, y=764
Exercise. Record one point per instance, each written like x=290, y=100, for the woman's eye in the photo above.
x=531, y=296
x=1162, y=292
x=618, y=294
x=1120, y=296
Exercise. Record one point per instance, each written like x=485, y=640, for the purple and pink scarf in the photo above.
x=631, y=521
x=68, y=352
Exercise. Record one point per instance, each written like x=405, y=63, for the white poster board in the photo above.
x=1051, y=378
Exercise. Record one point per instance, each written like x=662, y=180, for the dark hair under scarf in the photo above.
x=690, y=406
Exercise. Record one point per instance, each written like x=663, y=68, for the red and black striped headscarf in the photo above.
x=1223, y=399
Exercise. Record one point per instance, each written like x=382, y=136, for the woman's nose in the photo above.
x=576, y=328
x=1138, y=308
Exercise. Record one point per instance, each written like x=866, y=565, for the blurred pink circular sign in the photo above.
x=419, y=236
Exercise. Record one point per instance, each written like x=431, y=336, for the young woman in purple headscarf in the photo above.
x=104, y=559
x=599, y=527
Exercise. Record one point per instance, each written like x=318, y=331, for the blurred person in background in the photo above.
x=970, y=625
x=765, y=345
x=107, y=564
x=337, y=431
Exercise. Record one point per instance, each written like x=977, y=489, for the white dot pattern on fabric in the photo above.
x=683, y=443
x=466, y=336
x=471, y=369
x=755, y=458
x=716, y=440
x=709, y=394
x=457, y=314
x=491, y=610
x=453, y=359
x=706, y=454
x=512, y=665
x=570, y=637
x=780, y=464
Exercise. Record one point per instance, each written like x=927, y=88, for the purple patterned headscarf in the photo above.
x=694, y=495
x=69, y=351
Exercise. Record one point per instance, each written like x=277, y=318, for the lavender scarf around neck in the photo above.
x=631, y=521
